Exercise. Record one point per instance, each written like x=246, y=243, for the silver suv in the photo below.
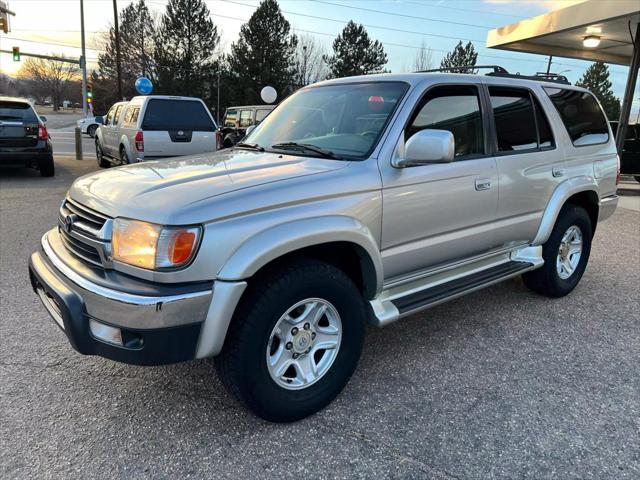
x=360, y=200
x=154, y=127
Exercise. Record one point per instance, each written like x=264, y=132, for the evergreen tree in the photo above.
x=596, y=79
x=461, y=56
x=136, y=27
x=263, y=55
x=185, y=43
x=354, y=53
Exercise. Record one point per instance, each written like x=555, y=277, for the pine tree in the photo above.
x=185, y=44
x=596, y=79
x=136, y=28
x=354, y=53
x=263, y=55
x=461, y=56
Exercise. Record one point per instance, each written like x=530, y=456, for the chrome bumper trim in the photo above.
x=130, y=310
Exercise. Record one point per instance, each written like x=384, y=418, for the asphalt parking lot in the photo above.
x=499, y=384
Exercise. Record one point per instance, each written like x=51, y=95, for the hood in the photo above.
x=155, y=191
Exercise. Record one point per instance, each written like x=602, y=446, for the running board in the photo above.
x=400, y=301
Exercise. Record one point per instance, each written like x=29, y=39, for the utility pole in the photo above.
x=549, y=64
x=115, y=25
x=83, y=63
x=304, y=65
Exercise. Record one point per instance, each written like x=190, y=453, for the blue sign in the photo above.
x=144, y=86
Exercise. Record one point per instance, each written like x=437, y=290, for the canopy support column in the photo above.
x=625, y=111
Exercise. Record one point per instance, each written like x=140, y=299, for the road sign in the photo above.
x=144, y=86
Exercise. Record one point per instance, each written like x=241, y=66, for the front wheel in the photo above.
x=294, y=342
x=565, y=254
x=92, y=130
x=637, y=177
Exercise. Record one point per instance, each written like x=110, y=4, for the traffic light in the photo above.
x=89, y=92
x=16, y=54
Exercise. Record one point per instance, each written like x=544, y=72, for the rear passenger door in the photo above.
x=530, y=165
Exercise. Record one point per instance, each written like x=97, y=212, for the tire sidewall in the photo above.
x=299, y=403
x=92, y=131
x=570, y=215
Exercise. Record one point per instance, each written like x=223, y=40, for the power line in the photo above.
x=364, y=24
x=415, y=17
x=50, y=43
x=487, y=12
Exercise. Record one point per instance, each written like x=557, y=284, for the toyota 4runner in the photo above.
x=357, y=200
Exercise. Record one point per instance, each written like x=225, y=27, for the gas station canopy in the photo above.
x=596, y=30
x=562, y=32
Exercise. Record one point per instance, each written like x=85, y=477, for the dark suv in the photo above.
x=630, y=155
x=24, y=139
x=237, y=120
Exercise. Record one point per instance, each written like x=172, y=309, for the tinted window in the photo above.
x=581, y=115
x=17, y=112
x=456, y=109
x=245, y=118
x=515, y=120
x=230, y=118
x=520, y=122
x=177, y=115
x=261, y=115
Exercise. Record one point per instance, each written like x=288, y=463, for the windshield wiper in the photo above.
x=308, y=147
x=252, y=146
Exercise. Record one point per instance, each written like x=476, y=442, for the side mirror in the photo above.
x=43, y=118
x=249, y=130
x=427, y=146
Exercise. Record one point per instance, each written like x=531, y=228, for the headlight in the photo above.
x=152, y=246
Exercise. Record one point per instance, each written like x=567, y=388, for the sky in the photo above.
x=53, y=27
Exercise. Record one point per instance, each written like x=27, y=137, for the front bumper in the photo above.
x=153, y=328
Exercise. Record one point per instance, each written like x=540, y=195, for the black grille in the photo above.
x=85, y=228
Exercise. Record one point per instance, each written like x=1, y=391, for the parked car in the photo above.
x=362, y=199
x=90, y=125
x=630, y=155
x=237, y=120
x=24, y=139
x=155, y=127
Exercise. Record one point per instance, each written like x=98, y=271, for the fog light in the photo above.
x=105, y=333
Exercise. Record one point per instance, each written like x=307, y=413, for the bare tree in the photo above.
x=51, y=76
x=309, y=65
x=423, y=59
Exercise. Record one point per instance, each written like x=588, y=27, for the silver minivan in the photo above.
x=155, y=127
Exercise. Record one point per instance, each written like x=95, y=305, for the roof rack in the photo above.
x=498, y=71
x=495, y=68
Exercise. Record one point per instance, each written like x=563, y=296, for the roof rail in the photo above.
x=499, y=71
x=495, y=68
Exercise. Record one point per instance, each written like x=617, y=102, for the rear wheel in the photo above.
x=92, y=130
x=102, y=161
x=46, y=167
x=294, y=341
x=637, y=177
x=124, y=158
x=565, y=254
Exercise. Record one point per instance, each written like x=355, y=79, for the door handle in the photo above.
x=483, y=184
x=558, y=172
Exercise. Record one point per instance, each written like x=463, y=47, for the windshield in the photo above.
x=346, y=119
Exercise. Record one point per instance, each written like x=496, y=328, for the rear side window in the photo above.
x=17, y=112
x=230, y=118
x=456, y=109
x=520, y=121
x=177, y=115
x=584, y=120
x=261, y=115
x=131, y=117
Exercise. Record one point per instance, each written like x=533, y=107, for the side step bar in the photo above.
x=439, y=293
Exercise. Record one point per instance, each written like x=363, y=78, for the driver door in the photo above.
x=438, y=213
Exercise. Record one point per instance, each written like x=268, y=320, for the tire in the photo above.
x=637, y=177
x=103, y=162
x=91, y=131
x=243, y=364
x=554, y=279
x=46, y=167
x=124, y=158
x=228, y=143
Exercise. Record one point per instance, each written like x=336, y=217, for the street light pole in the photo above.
x=117, y=33
x=549, y=64
x=83, y=64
